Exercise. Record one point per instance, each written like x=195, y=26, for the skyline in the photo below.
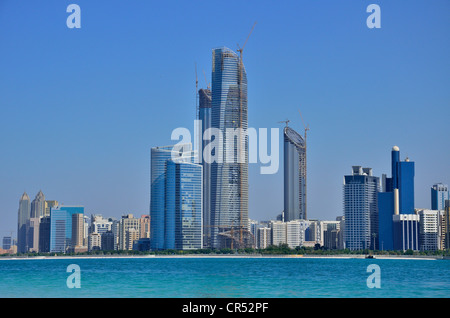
x=95, y=150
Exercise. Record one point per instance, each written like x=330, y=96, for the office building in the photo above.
x=7, y=242
x=430, y=229
x=159, y=158
x=44, y=234
x=439, y=193
x=108, y=241
x=183, y=214
x=78, y=229
x=144, y=226
x=38, y=206
x=61, y=227
x=360, y=209
x=446, y=225
x=294, y=175
x=100, y=224
x=396, y=197
x=229, y=172
x=406, y=232
x=22, y=223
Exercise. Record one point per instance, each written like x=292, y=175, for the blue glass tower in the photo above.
x=397, y=197
x=439, y=194
x=158, y=225
x=184, y=185
x=61, y=227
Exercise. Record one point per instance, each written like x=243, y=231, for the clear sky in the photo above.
x=81, y=108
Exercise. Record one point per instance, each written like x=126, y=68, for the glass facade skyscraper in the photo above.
x=229, y=177
x=61, y=227
x=439, y=194
x=184, y=184
x=176, y=198
x=396, y=197
x=294, y=176
x=360, y=209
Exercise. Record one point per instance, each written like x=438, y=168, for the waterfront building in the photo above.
x=7, y=242
x=48, y=205
x=108, y=241
x=439, y=193
x=405, y=232
x=183, y=201
x=61, y=227
x=33, y=234
x=78, y=229
x=360, y=208
x=38, y=206
x=128, y=230
x=229, y=173
x=294, y=175
x=94, y=241
x=396, y=197
x=263, y=237
x=159, y=158
x=429, y=229
x=204, y=116
x=44, y=234
x=99, y=224
x=144, y=226
x=446, y=225
x=23, y=219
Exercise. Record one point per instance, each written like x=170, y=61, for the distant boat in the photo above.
x=369, y=256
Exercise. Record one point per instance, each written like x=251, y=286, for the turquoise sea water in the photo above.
x=224, y=277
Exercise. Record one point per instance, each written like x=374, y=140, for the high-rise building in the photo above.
x=44, y=234
x=405, y=229
x=48, y=205
x=61, y=227
x=38, y=206
x=7, y=242
x=205, y=117
x=184, y=185
x=429, y=229
x=95, y=241
x=294, y=175
x=77, y=244
x=360, y=209
x=159, y=158
x=129, y=226
x=396, y=197
x=446, y=225
x=33, y=234
x=229, y=172
x=439, y=193
x=23, y=219
x=144, y=226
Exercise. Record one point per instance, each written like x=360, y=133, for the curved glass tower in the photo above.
x=229, y=178
x=294, y=176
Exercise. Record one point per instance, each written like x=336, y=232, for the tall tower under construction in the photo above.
x=229, y=177
x=294, y=175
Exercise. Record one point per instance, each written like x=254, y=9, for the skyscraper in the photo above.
x=38, y=206
x=23, y=219
x=360, y=209
x=439, y=193
x=205, y=117
x=294, y=175
x=396, y=197
x=61, y=227
x=159, y=158
x=184, y=185
x=229, y=176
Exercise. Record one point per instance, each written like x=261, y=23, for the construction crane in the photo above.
x=208, y=85
x=284, y=121
x=241, y=67
x=197, y=110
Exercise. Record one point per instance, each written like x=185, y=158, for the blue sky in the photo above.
x=81, y=108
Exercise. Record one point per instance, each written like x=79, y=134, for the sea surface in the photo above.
x=222, y=277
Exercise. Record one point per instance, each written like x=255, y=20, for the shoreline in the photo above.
x=301, y=256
